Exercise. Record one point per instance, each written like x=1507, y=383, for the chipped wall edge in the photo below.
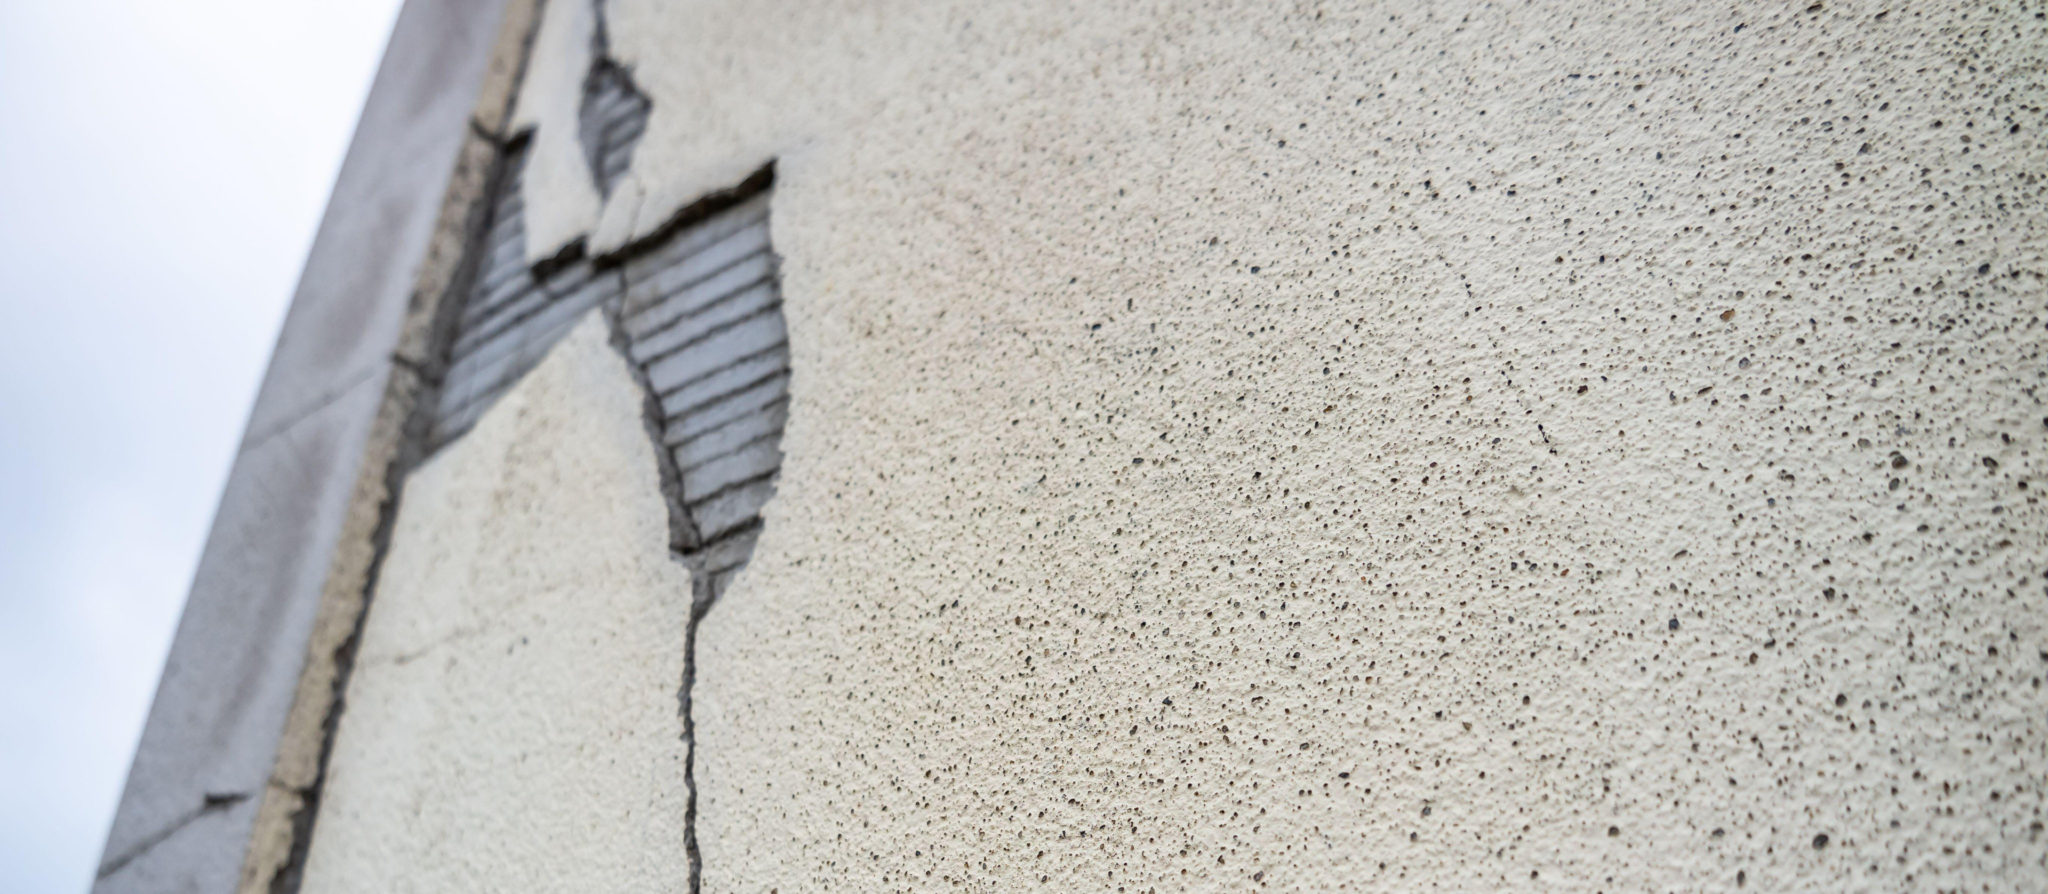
x=284, y=820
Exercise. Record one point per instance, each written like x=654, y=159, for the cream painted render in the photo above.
x=1339, y=446
x=558, y=184
x=511, y=722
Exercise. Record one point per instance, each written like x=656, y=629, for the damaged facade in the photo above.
x=1142, y=446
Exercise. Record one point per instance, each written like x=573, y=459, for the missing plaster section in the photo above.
x=613, y=115
x=430, y=376
x=696, y=312
x=695, y=309
x=513, y=312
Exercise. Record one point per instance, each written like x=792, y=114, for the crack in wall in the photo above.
x=701, y=286
x=430, y=374
x=688, y=544
x=683, y=541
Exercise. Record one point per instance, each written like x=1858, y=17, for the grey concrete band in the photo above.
x=212, y=739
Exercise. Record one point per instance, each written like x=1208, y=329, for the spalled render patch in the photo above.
x=1379, y=447
x=561, y=196
x=511, y=722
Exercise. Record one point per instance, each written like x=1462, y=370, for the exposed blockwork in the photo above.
x=701, y=314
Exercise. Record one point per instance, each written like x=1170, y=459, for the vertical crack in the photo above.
x=685, y=547
x=700, y=604
x=711, y=541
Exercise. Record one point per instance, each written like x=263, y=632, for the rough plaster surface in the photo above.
x=1328, y=446
x=511, y=721
x=560, y=192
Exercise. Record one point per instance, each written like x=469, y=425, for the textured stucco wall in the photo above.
x=511, y=722
x=558, y=182
x=1362, y=446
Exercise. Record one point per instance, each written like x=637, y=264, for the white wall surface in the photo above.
x=512, y=722
x=1367, y=446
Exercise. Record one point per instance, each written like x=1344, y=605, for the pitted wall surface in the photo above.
x=1361, y=446
x=512, y=312
x=511, y=722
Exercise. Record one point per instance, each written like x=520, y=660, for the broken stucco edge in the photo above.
x=563, y=203
x=633, y=217
x=290, y=801
x=684, y=541
x=747, y=182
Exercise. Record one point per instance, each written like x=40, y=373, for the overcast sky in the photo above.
x=162, y=167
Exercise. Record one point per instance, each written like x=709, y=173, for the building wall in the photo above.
x=1327, y=446
x=511, y=722
x=1377, y=446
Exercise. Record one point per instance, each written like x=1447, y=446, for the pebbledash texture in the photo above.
x=1207, y=446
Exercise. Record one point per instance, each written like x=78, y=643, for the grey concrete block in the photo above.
x=189, y=858
x=212, y=730
x=742, y=424
x=657, y=258
x=509, y=304
x=685, y=297
x=735, y=261
x=715, y=354
x=732, y=508
x=727, y=311
x=712, y=474
x=358, y=279
x=682, y=398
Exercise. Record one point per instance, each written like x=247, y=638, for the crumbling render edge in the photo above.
x=284, y=821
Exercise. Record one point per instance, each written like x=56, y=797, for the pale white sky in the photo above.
x=162, y=168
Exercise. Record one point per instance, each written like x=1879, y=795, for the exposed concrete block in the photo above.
x=737, y=422
x=704, y=476
x=727, y=309
x=714, y=354
x=680, y=401
x=512, y=718
x=353, y=294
